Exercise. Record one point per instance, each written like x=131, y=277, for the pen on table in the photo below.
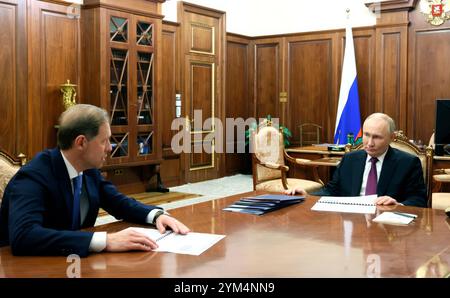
x=164, y=235
x=406, y=215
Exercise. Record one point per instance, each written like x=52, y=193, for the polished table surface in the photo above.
x=291, y=242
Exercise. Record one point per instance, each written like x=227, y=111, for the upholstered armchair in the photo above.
x=269, y=162
x=440, y=200
x=8, y=167
x=425, y=155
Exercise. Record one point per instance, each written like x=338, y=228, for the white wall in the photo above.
x=266, y=17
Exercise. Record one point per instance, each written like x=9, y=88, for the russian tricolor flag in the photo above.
x=348, y=119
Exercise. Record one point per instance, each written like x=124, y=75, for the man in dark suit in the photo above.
x=397, y=175
x=61, y=190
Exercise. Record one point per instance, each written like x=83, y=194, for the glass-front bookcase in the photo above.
x=131, y=87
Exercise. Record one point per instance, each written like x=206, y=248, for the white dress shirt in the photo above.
x=98, y=241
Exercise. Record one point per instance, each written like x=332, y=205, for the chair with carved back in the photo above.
x=8, y=168
x=425, y=156
x=269, y=162
x=310, y=134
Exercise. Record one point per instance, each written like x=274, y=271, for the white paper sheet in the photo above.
x=394, y=218
x=190, y=244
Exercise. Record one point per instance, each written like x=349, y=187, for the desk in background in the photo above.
x=326, y=160
x=290, y=242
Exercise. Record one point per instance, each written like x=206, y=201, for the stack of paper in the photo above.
x=395, y=218
x=262, y=204
x=362, y=204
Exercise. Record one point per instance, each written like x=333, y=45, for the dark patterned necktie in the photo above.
x=77, y=181
x=371, y=186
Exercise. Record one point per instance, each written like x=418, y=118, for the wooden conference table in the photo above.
x=291, y=242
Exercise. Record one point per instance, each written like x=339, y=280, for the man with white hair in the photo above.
x=395, y=176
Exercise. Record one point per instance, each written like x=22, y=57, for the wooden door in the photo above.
x=200, y=101
x=203, y=43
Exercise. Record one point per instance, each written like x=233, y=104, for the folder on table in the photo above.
x=262, y=204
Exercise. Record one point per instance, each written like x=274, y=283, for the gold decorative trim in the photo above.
x=213, y=35
x=283, y=96
x=211, y=166
x=20, y=161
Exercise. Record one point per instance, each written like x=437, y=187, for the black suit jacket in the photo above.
x=35, y=216
x=401, y=177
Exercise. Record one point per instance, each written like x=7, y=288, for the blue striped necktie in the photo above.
x=77, y=181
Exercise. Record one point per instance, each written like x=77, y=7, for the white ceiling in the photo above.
x=266, y=17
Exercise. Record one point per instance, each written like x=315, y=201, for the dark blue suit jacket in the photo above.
x=35, y=216
x=401, y=177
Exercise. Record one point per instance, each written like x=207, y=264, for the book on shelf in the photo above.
x=361, y=204
x=262, y=204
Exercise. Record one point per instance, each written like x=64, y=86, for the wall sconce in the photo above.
x=69, y=94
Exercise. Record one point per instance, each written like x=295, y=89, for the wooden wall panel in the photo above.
x=237, y=101
x=431, y=79
x=428, y=73
x=170, y=81
x=93, y=57
x=309, y=79
x=200, y=100
x=202, y=39
x=391, y=74
x=364, y=41
x=267, y=76
x=171, y=171
x=390, y=100
x=8, y=109
x=59, y=60
x=202, y=84
x=54, y=55
x=13, y=87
